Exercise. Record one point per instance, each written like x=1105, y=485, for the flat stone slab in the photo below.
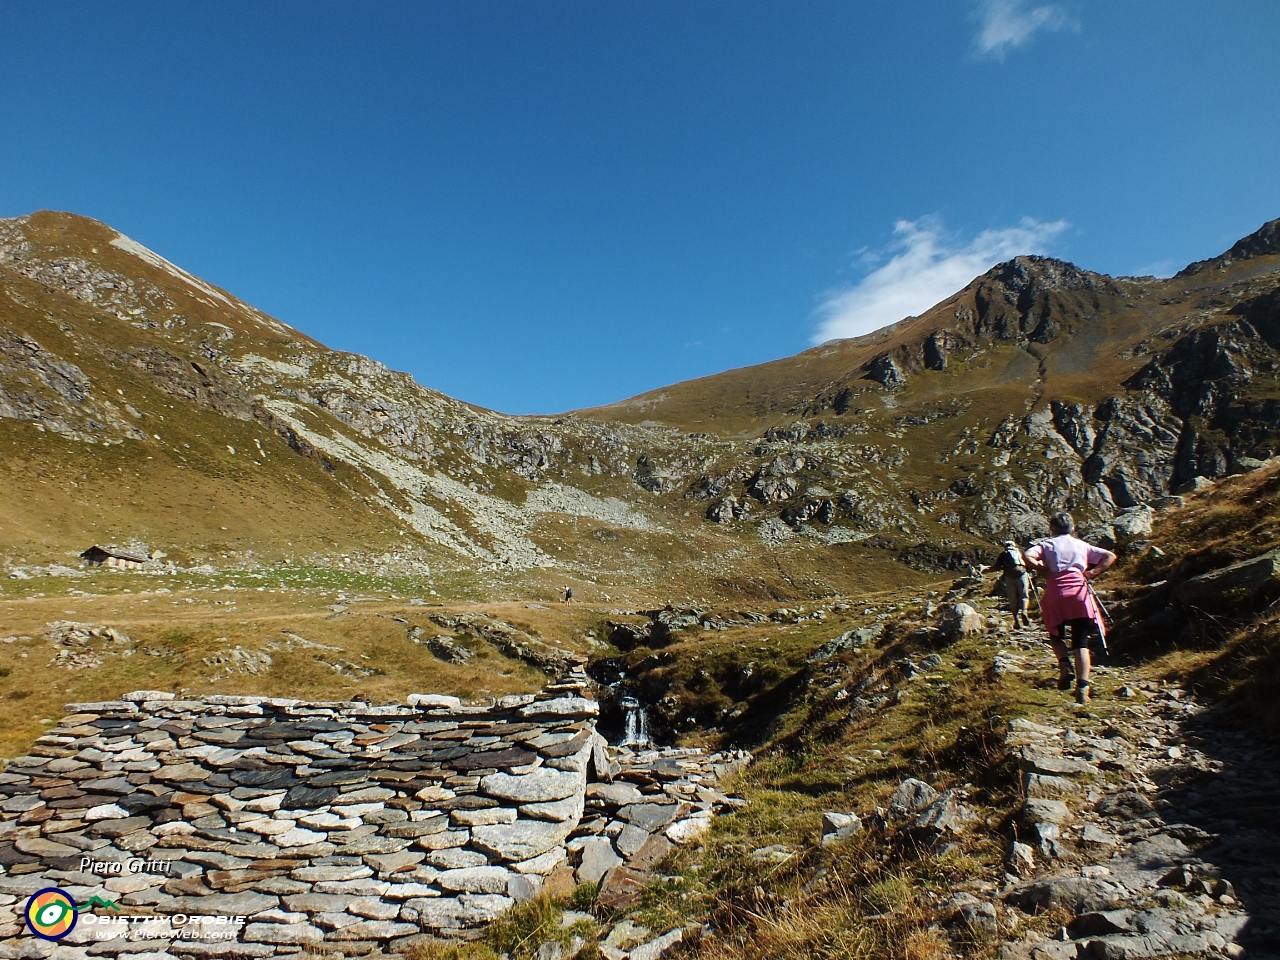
x=539, y=786
x=475, y=880
x=570, y=808
x=561, y=707
x=220, y=904
x=1045, y=811
x=649, y=816
x=598, y=858
x=614, y=793
x=283, y=933
x=518, y=841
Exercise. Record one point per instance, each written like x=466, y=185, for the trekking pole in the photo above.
x=1105, y=615
x=1094, y=593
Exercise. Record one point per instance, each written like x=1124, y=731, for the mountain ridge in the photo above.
x=982, y=293
x=1038, y=384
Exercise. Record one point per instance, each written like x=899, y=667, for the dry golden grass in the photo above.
x=451, y=950
x=365, y=652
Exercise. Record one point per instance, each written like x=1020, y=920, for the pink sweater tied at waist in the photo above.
x=1067, y=596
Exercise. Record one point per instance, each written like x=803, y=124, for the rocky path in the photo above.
x=1153, y=832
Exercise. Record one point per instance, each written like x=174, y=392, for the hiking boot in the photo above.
x=1082, y=693
x=1066, y=675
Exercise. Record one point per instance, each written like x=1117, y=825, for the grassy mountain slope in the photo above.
x=141, y=405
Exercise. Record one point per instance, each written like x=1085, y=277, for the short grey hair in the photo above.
x=1061, y=523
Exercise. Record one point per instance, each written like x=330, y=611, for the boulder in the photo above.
x=1044, y=786
x=1047, y=837
x=979, y=916
x=961, y=620
x=651, y=852
x=839, y=826
x=1034, y=760
x=1101, y=923
x=1194, y=485
x=945, y=816
x=722, y=512
x=1247, y=464
x=657, y=947
x=1228, y=588
x=688, y=831
x=911, y=795
x=1075, y=894
x=1132, y=524
x=1021, y=861
x=884, y=370
x=621, y=888
x=1036, y=810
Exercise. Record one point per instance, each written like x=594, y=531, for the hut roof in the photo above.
x=115, y=552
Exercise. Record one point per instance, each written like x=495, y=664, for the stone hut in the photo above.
x=113, y=557
x=334, y=827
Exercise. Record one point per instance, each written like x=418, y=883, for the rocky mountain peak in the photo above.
x=1263, y=242
x=1036, y=298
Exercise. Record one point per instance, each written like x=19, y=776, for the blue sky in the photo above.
x=541, y=206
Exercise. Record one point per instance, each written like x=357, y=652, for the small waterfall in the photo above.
x=636, y=730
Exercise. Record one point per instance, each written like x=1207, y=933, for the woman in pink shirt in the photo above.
x=1069, y=564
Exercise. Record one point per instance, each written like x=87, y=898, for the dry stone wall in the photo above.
x=332, y=826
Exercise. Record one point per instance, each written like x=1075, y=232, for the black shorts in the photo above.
x=1083, y=632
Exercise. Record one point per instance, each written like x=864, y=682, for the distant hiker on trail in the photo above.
x=1068, y=601
x=1015, y=581
x=568, y=594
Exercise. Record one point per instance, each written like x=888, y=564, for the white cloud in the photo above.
x=926, y=266
x=1003, y=24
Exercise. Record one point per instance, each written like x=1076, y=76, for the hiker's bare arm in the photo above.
x=1101, y=565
